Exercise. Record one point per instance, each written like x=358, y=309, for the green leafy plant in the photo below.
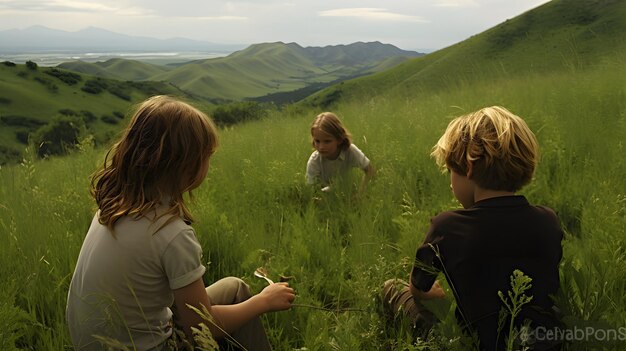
x=513, y=303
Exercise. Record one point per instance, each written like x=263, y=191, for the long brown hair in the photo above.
x=329, y=123
x=162, y=154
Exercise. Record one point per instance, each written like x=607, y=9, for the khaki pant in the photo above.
x=251, y=336
x=399, y=304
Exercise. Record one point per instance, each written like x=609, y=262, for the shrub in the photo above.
x=21, y=121
x=22, y=136
x=88, y=116
x=94, y=86
x=8, y=64
x=239, y=112
x=108, y=119
x=149, y=88
x=58, y=136
x=4, y=100
x=118, y=114
x=68, y=112
x=31, y=65
x=48, y=84
x=327, y=99
x=68, y=78
x=8, y=154
x=120, y=92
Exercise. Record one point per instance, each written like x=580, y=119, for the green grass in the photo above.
x=255, y=210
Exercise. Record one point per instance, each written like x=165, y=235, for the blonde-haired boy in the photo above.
x=490, y=154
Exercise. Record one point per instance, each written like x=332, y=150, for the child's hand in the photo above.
x=278, y=296
x=436, y=291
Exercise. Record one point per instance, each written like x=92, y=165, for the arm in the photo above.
x=275, y=297
x=313, y=171
x=369, y=173
x=435, y=292
x=358, y=159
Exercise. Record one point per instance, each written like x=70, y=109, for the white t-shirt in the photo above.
x=320, y=169
x=122, y=286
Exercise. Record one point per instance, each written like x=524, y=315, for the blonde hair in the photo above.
x=501, y=148
x=330, y=124
x=162, y=154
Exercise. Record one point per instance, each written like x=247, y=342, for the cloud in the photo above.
x=70, y=6
x=218, y=18
x=56, y=5
x=371, y=13
x=456, y=3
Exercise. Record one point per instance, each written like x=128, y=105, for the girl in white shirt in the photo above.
x=334, y=153
x=140, y=265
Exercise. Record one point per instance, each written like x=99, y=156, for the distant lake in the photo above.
x=157, y=58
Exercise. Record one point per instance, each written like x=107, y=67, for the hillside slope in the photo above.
x=559, y=35
x=259, y=70
x=116, y=69
x=31, y=97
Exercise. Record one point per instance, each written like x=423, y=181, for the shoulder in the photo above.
x=356, y=157
x=354, y=150
x=182, y=259
x=314, y=156
x=448, y=218
x=544, y=215
x=447, y=224
x=167, y=229
x=185, y=237
x=549, y=218
x=546, y=211
x=314, y=160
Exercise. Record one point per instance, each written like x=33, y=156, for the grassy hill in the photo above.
x=116, y=69
x=259, y=70
x=562, y=35
x=101, y=93
x=30, y=98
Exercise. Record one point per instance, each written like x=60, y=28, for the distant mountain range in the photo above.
x=39, y=39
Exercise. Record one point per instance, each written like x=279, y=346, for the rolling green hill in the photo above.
x=116, y=69
x=558, y=36
x=30, y=98
x=259, y=70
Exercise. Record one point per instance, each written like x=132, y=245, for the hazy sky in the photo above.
x=408, y=24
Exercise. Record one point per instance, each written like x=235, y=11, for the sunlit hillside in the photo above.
x=560, y=36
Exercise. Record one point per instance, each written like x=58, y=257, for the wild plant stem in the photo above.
x=328, y=309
